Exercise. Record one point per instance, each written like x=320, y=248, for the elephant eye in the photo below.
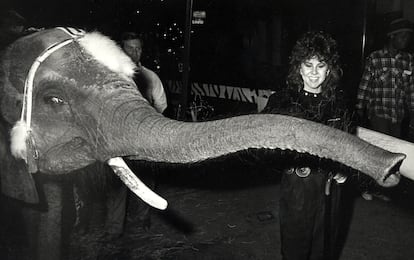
x=53, y=100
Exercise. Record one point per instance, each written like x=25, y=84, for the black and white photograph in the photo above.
x=206, y=129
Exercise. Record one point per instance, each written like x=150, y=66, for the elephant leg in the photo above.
x=44, y=222
x=49, y=241
x=32, y=219
x=116, y=204
x=15, y=238
x=144, y=209
x=147, y=174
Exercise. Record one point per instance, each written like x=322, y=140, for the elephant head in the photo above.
x=75, y=90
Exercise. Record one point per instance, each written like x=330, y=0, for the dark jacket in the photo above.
x=317, y=108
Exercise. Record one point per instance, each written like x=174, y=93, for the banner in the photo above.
x=256, y=96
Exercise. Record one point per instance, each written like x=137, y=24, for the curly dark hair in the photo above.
x=315, y=44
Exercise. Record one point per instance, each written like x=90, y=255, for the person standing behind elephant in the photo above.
x=386, y=92
x=310, y=190
x=150, y=86
x=148, y=82
x=386, y=87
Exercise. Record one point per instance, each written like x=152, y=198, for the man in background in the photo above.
x=386, y=91
x=148, y=82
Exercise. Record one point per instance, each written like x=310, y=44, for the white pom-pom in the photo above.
x=107, y=52
x=18, y=136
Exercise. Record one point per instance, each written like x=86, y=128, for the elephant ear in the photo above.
x=16, y=181
x=11, y=89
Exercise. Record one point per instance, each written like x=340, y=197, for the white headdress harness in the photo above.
x=21, y=130
x=22, y=143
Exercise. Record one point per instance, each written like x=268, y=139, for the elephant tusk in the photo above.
x=126, y=175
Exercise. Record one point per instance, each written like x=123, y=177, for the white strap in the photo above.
x=28, y=85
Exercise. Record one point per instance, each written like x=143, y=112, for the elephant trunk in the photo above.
x=147, y=135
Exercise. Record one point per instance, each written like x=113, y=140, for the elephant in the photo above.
x=68, y=100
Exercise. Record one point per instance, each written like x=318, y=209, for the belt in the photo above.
x=304, y=172
x=299, y=171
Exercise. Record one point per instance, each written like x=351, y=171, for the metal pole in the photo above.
x=186, y=59
x=364, y=33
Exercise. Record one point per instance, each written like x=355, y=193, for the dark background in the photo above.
x=243, y=43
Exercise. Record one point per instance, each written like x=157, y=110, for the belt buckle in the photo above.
x=303, y=171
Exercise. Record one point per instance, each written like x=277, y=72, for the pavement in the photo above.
x=227, y=212
x=220, y=218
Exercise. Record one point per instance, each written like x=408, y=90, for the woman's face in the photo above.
x=313, y=73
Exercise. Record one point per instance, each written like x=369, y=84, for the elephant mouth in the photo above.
x=126, y=175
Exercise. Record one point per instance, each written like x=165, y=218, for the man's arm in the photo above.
x=152, y=89
x=364, y=91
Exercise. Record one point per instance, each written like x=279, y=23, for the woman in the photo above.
x=308, y=205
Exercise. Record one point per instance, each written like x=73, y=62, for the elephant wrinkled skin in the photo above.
x=86, y=108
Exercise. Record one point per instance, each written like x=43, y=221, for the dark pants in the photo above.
x=302, y=217
x=117, y=204
x=116, y=209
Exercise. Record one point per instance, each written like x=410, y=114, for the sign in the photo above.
x=199, y=14
x=255, y=96
x=199, y=17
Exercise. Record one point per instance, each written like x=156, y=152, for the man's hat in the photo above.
x=399, y=25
